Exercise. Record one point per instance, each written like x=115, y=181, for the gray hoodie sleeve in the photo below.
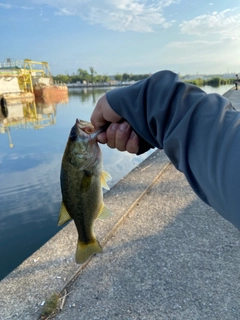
x=199, y=132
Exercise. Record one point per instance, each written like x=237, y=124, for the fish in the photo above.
x=82, y=179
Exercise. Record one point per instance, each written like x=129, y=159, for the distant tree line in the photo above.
x=214, y=81
x=82, y=76
x=91, y=76
x=130, y=77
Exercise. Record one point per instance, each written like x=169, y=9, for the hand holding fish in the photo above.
x=119, y=134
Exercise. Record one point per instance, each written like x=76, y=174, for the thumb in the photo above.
x=103, y=113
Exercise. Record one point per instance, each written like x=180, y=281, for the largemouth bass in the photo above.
x=82, y=178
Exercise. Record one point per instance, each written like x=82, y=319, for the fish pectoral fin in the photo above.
x=63, y=215
x=84, y=251
x=104, y=213
x=105, y=176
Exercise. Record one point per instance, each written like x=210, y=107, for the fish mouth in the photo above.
x=86, y=130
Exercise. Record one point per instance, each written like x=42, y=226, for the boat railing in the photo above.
x=11, y=64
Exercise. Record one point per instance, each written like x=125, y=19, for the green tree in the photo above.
x=105, y=78
x=137, y=77
x=93, y=74
x=84, y=75
x=118, y=77
x=197, y=82
x=125, y=77
x=62, y=78
x=75, y=78
x=215, y=82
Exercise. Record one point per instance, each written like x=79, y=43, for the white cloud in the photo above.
x=10, y=6
x=65, y=12
x=224, y=24
x=125, y=15
x=207, y=56
x=211, y=41
x=25, y=8
x=5, y=6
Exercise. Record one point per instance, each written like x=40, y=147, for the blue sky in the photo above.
x=117, y=36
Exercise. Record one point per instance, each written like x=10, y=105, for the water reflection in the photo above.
x=27, y=114
x=88, y=94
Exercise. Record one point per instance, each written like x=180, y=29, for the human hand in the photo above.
x=118, y=135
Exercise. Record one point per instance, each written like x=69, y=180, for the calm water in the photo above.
x=31, y=149
x=219, y=90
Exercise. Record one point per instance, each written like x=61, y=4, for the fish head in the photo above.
x=82, y=147
x=84, y=131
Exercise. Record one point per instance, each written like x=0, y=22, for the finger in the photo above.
x=132, y=145
x=103, y=113
x=122, y=136
x=111, y=134
x=102, y=137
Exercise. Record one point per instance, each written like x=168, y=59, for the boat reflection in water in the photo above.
x=28, y=114
x=29, y=169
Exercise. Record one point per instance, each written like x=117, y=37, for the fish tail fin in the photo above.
x=85, y=250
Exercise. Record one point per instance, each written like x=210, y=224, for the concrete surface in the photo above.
x=166, y=255
x=172, y=258
x=234, y=96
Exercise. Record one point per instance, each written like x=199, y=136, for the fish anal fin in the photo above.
x=104, y=213
x=84, y=251
x=105, y=176
x=63, y=215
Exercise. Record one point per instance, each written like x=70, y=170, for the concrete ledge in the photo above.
x=234, y=96
x=228, y=93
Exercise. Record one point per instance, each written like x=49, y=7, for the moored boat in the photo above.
x=28, y=79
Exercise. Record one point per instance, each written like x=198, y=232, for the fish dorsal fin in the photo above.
x=63, y=215
x=104, y=213
x=105, y=176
